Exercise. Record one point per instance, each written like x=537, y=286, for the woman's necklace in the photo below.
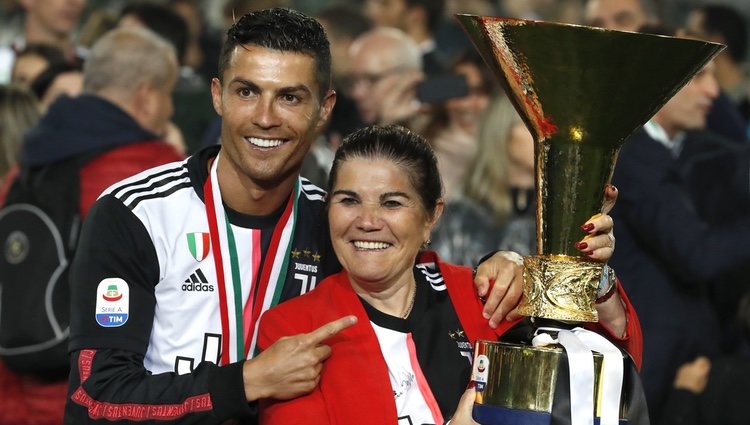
x=411, y=303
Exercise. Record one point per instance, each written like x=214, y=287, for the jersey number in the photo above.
x=305, y=279
x=211, y=353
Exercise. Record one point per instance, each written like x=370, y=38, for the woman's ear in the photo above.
x=432, y=221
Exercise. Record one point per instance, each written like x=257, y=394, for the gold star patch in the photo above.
x=295, y=254
x=316, y=257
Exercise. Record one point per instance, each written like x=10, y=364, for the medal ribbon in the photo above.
x=268, y=288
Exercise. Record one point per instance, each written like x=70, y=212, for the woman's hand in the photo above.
x=599, y=242
x=499, y=281
x=464, y=409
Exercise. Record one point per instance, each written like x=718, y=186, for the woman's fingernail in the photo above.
x=588, y=227
x=471, y=385
x=588, y=253
x=581, y=246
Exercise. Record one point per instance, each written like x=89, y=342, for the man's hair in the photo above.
x=163, y=21
x=127, y=57
x=434, y=9
x=730, y=24
x=284, y=30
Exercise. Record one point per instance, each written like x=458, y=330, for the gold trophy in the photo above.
x=581, y=91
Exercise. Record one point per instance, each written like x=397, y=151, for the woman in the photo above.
x=409, y=354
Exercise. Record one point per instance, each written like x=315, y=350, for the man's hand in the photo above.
x=499, y=281
x=291, y=366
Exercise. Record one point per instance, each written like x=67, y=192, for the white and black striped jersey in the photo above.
x=145, y=289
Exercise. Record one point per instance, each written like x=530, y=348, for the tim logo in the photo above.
x=197, y=282
x=112, y=302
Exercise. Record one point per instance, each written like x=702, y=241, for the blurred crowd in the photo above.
x=684, y=179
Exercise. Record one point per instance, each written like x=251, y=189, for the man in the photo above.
x=419, y=19
x=725, y=25
x=110, y=132
x=50, y=22
x=386, y=67
x=177, y=264
x=668, y=252
x=632, y=15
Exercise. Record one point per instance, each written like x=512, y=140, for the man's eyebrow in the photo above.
x=246, y=83
x=297, y=88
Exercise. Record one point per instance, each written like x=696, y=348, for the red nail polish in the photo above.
x=581, y=246
x=588, y=253
x=588, y=227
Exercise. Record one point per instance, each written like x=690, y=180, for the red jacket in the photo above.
x=354, y=385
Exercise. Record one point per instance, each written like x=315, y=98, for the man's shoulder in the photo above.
x=155, y=182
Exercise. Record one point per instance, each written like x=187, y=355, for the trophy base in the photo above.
x=492, y=415
x=560, y=287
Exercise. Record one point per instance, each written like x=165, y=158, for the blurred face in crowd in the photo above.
x=272, y=110
x=622, y=15
x=465, y=112
x=27, y=67
x=373, y=64
x=377, y=221
x=57, y=16
x=687, y=110
x=387, y=13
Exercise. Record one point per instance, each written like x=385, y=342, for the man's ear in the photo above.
x=142, y=104
x=326, y=107
x=216, y=94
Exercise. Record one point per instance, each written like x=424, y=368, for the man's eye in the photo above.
x=244, y=92
x=290, y=98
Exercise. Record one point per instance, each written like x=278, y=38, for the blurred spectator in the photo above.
x=386, y=67
x=725, y=25
x=343, y=24
x=97, y=24
x=57, y=80
x=419, y=19
x=202, y=51
x=32, y=61
x=621, y=15
x=193, y=112
x=713, y=392
x=19, y=111
x=630, y=15
x=453, y=127
x=667, y=253
x=486, y=214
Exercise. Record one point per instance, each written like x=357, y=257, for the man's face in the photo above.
x=387, y=13
x=622, y=15
x=688, y=109
x=374, y=66
x=57, y=16
x=271, y=112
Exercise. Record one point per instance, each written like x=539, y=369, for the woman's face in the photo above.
x=377, y=222
x=465, y=112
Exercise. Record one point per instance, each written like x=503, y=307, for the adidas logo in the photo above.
x=197, y=282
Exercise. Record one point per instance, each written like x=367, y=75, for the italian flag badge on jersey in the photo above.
x=199, y=244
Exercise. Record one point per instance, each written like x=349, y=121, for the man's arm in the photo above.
x=108, y=378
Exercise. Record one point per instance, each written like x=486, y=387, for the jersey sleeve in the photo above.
x=113, y=278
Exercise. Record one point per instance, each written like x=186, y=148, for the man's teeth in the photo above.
x=370, y=245
x=265, y=143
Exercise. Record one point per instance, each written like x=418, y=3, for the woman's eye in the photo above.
x=347, y=201
x=391, y=203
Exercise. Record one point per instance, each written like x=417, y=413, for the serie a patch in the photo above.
x=112, y=302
